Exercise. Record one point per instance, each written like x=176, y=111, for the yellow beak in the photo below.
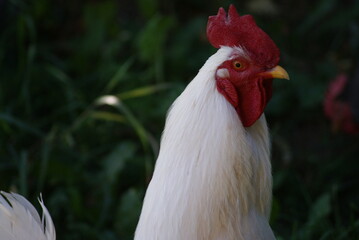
x=276, y=72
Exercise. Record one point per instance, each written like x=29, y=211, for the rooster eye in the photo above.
x=238, y=65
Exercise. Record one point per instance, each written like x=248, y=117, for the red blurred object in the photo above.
x=337, y=109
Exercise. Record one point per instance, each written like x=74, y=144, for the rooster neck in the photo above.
x=206, y=183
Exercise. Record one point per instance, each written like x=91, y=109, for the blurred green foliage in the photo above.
x=85, y=86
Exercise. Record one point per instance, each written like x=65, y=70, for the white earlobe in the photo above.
x=222, y=73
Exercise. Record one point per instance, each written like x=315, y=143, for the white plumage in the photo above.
x=19, y=220
x=212, y=179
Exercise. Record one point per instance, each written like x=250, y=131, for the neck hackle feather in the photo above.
x=19, y=220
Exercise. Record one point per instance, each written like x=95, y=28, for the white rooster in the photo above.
x=212, y=179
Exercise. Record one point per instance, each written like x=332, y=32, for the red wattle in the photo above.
x=252, y=100
x=226, y=88
x=249, y=100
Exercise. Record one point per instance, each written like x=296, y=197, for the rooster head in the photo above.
x=245, y=79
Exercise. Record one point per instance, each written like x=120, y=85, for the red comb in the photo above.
x=234, y=30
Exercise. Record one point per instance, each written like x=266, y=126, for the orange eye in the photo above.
x=238, y=65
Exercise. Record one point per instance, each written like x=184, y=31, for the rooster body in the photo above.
x=220, y=183
x=212, y=179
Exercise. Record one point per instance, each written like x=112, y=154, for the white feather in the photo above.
x=212, y=179
x=19, y=220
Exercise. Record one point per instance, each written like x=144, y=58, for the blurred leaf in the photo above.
x=148, y=7
x=128, y=213
x=151, y=42
x=320, y=209
x=151, y=39
x=23, y=173
x=18, y=123
x=131, y=119
x=46, y=149
x=317, y=214
x=341, y=20
x=143, y=91
x=187, y=38
x=107, y=116
x=275, y=211
x=99, y=16
x=135, y=123
x=310, y=91
x=354, y=40
x=115, y=161
x=121, y=72
x=76, y=200
x=58, y=74
x=322, y=8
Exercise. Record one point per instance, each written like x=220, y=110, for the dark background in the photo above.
x=85, y=86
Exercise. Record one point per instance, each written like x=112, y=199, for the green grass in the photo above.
x=84, y=90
